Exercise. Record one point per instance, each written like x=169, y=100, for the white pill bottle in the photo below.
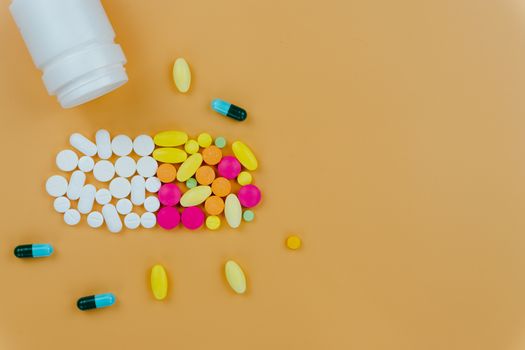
x=71, y=42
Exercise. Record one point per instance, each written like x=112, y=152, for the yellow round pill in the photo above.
x=293, y=242
x=191, y=147
x=213, y=222
x=204, y=140
x=244, y=178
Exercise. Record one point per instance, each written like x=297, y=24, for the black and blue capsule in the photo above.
x=229, y=110
x=33, y=250
x=96, y=301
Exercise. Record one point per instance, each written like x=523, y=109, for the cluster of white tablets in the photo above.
x=131, y=174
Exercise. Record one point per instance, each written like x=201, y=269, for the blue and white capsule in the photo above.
x=96, y=301
x=33, y=250
x=229, y=110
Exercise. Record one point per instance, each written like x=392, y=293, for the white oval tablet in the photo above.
x=87, y=198
x=147, y=166
x=86, y=164
x=125, y=166
x=121, y=145
x=233, y=210
x=138, y=190
x=153, y=184
x=95, y=219
x=103, y=196
x=71, y=217
x=56, y=186
x=152, y=204
x=104, y=171
x=132, y=221
x=124, y=206
x=148, y=220
x=61, y=204
x=112, y=218
x=83, y=144
x=66, y=160
x=143, y=145
x=119, y=187
x=76, y=182
x=103, y=140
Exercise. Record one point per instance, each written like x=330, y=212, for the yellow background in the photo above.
x=391, y=137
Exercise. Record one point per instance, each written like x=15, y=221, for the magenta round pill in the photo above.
x=192, y=217
x=169, y=194
x=229, y=167
x=168, y=218
x=249, y=196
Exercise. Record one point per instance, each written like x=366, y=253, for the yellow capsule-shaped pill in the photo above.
x=170, y=155
x=170, y=138
x=233, y=210
x=195, y=196
x=181, y=75
x=159, y=282
x=245, y=155
x=235, y=277
x=189, y=167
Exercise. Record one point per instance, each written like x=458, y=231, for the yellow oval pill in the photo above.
x=195, y=196
x=189, y=167
x=235, y=277
x=181, y=75
x=159, y=282
x=245, y=155
x=204, y=140
x=244, y=178
x=233, y=210
x=170, y=138
x=213, y=222
x=191, y=147
x=170, y=155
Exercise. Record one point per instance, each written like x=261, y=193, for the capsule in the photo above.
x=96, y=301
x=229, y=110
x=33, y=250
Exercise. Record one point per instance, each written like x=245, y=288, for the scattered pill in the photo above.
x=169, y=194
x=194, y=196
x=220, y=142
x=151, y=204
x=71, y=217
x=212, y=155
x=86, y=199
x=214, y=205
x=56, y=186
x=228, y=110
x=245, y=155
x=232, y=210
x=148, y=220
x=83, y=144
x=153, y=184
x=171, y=138
x=143, y=145
x=122, y=145
x=229, y=167
x=96, y=301
x=66, y=160
x=86, y=164
x=189, y=167
x=124, y=206
x=111, y=218
x=147, y=166
x=192, y=217
x=168, y=217
x=76, y=182
x=244, y=178
x=248, y=215
x=120, y=187
x=181, y=75
x=293, y=242
x=103, y=196
x=191, y=182
x=170, y=155
x=104, y=170
x=191, y=147
x=249, y=196
x=33, y=250
x=95, y=219
x=61, y=204
x=132, y=221
x=235, y=277
x=125, y=166
x=205, y=175
x=213, y=222
x=204, y=139
x=221, y=187
x=159, y=282
x=138, y=190
x=166, y=173
x=103, y=140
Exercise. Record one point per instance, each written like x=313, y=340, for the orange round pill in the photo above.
x=212, y=155
x=214, y=205
x=205, y=175
x=166, y=173
x=221, y=187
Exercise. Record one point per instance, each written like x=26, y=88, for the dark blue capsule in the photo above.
x=229, y=110
x=96, y=301
x=33, y=250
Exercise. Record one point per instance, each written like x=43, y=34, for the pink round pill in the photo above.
x=229, y=167
x=249, y=196
x=169, y=194
x=168, y=218
x=192, y=217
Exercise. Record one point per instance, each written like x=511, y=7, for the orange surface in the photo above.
x=390, y=137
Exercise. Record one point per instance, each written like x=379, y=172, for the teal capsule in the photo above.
x=33, y=250
x=228, y=109
x=96, y=301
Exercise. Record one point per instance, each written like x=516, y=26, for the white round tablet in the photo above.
x=153, y=184
x=56, y=186
x=86, y=164
x=125, y=166
x=67, y=160
x=132, y=221
x=124, y=206
x=121, y=145
x=147, y=166
x=72, y=217
x=103, y=196
x=143, y=145
x=152, y=204
x=61, y=204
x=120, y=187
x=95, y=219
x=104, y=170
x=148, y=220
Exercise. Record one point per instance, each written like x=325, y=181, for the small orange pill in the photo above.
x=221, y=187
x=214, y=205
x=212, y=155
x=205, y=175
x=166, y=173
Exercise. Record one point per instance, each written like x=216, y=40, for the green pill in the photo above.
x=191, y=182
x=248, y=215
x=220, y=142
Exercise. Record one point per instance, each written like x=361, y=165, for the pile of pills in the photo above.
x=167, y=179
